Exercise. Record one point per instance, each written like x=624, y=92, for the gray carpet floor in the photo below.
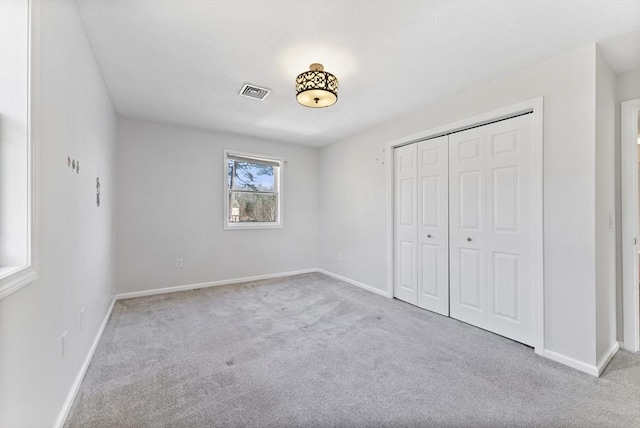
x=310, y=351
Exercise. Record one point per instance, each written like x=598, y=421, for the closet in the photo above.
x=464, y=226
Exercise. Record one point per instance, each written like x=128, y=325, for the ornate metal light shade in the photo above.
x=316, y=88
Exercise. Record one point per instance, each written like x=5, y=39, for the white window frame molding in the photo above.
x=534, y=106
x=279, y=224
x=21, y=276
x=629, y=111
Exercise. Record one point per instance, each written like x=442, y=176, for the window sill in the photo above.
x=249, y=226
x=13, y=278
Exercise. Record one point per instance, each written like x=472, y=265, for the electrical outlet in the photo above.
x=64, y=343
x=179, y=264
x=81, y=318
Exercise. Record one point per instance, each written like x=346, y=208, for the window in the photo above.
x=253, y=198
x=18, y=45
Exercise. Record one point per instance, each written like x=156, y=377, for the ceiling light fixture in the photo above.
x=316, y=88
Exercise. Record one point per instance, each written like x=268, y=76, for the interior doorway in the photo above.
x=629, y=148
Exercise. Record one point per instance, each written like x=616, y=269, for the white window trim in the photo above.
x=279, y=224
x=13, y=279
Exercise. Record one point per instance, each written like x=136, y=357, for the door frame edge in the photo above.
x=629, y=206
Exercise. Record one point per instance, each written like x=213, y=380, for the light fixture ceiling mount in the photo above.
x=316, y=88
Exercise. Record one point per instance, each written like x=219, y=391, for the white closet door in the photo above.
x=406, y=224
x=466, y=227
x=491, y=227
x=433, y=225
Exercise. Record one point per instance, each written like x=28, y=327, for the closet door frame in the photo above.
x=535, y=107
x=629, y=183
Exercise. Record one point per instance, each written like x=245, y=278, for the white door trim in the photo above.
x=629, y=185
x=536, y=107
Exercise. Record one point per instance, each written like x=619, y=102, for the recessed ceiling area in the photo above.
x=182, y=62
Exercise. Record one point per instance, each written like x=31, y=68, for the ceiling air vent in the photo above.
x=252, y=91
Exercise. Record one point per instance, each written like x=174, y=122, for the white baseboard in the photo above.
x=572, y=362
x=75, y=387
x=177, y=288
x=594, y=370
x=353, y=282
x=606, y=358
x=209, y=284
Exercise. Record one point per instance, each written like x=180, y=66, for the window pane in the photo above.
x=14, y=135
x=252, y=207
x=250, y=176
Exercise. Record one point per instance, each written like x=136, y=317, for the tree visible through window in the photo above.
x=253, y=184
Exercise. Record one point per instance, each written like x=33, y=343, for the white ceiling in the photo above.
x=183, y=62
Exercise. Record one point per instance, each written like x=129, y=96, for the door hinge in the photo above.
x=635, y=241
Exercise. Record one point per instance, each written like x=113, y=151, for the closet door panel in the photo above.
x=433, y=227
x=405, y=224
x=470, y=265
x=505, y=286
x=510, y=233
x=467, y=244
x=491, y=233
x=430, y=265
x=470, y=208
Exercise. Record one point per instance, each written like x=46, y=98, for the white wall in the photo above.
x=628, y=85
x=353, y=193
x=605, y=124
x=627, y=88
x=170, y=185
x=353, y=218
x=76, y=237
